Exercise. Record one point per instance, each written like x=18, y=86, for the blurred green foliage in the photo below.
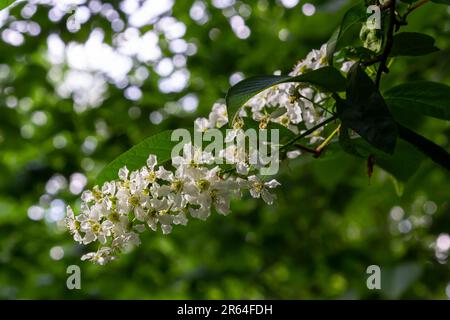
x=327, y=226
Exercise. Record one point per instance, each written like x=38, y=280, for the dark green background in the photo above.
x=329, y=223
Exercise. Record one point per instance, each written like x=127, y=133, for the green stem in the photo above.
x=328, y=140
x=308, y=132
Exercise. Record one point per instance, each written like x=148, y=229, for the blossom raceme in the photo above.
x=152, y=196
x=304, y=104
x=114, y=214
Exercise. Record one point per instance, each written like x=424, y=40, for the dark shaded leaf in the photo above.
x=366, y=112
x=403, y=164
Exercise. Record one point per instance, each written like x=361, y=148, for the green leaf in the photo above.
x=428, y=98
x=413, y=44
x=441, y=1
x=365, y=111
x=403, y=164
x=136, y=157
x=328, y=78
x=356, y=14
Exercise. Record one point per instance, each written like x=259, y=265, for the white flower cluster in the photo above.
x=293, y=104
x=218, y=117
x=116, y=213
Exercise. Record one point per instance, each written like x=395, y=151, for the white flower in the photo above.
x=293, y=154
x=180, y=218
x=109, y=188
x=101, y=257
x=192, y=156
x=164, y=174
x=221, y=195
x=203, y=207
x=73, y=225
x=314, y=60
x=258, y=188
x=96, y=230
x=152, y=161
x=131, y=238
x=217, y=118
x=154, y=210
x=201, y=125
x=87, y=196
x=237, y=156
x=347, y=65
x=122, y=204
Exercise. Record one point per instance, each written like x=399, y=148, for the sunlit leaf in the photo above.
x=327, y=78
x=6, y=3
x=136, y=157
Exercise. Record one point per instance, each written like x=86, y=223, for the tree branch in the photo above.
x=389, y=42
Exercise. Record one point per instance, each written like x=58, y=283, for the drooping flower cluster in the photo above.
x=115, y=213
x=152, y=196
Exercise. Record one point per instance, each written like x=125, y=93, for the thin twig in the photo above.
x=328, y=139
x=389, y=42
x=414, y=7
x=304, y=148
